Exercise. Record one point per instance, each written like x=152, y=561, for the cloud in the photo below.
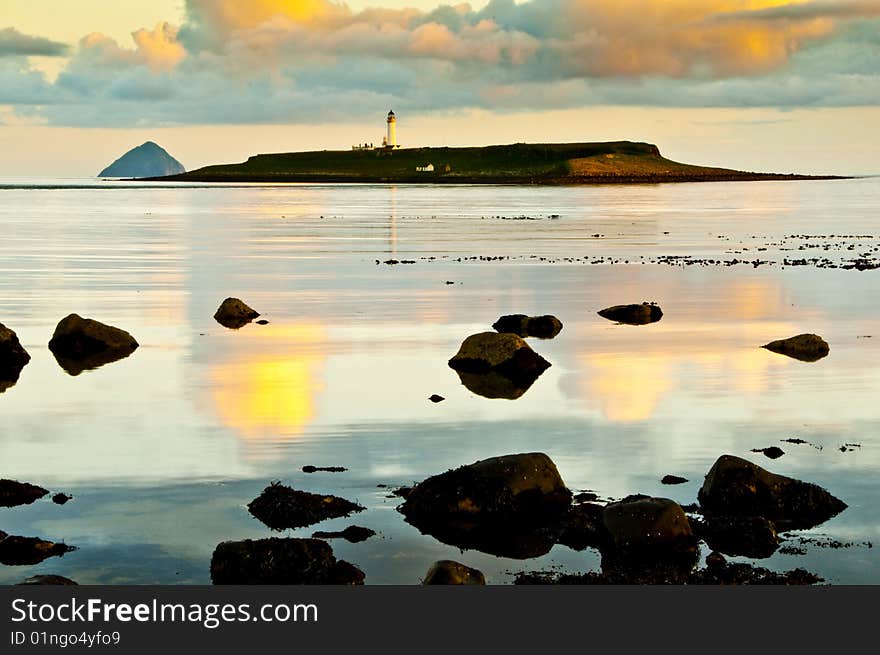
x=15, y=44
x=318, y=60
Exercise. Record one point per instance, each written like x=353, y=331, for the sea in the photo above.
x=368, y=291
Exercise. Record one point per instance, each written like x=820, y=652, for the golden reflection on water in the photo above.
x=266, y=392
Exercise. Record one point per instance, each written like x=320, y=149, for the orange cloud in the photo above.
x=159, y=48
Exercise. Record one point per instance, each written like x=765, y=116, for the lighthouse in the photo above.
x=391, y=137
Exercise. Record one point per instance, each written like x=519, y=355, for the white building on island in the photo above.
x=389, y=141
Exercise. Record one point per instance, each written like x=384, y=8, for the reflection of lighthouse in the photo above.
x=391, y=138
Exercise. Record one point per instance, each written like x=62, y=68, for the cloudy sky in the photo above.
x=759, y=84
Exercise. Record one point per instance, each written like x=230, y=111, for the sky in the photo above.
x=773, y=85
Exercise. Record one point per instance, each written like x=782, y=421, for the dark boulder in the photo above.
x=81, y=344
x=51, y=580
x=542, y=327
x=737, y=487
x=642, y=523
x=640, y=314
x=447, y=572
x=280, y=561
x=234, y=314
x=673, y=479
x=61, y=499
x=805, y=347
x=497, y=365
x=24, y=551
x=281, y=507
x=13, y=358
x=13, y=493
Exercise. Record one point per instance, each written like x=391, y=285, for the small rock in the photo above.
x=53, y=580
x=61, y=499
x=353, y=534
x=262, y=321
x=542, y=327
x=280, y=562
x=642, y=522
x=773, y=452
x=737, y=487
x=436, y=399
x=81, y=344
x=234, y=314
x=326, y=469
x=14, y=493
x=804, y=347
x=672, y=479
x=447, y=572
x=23, y=551
x=281, y=507
x=640, y=314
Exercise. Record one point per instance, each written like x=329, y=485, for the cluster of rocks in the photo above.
x=518, y=506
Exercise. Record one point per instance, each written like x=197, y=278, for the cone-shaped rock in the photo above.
x=805, y=347
x=81, y=344
x=503, y=354
x=737, y=487
x=447, y=572
x=280, y=561
x=234, y=314
x=281, y=507
x=48, y=580
x=640, y=314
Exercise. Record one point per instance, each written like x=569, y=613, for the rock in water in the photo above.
x=13, y=358
x=447, y=572
x=633, y=314
x=281, y=561
x=234, y=314
x=81, y=344
x=805, y=347
x=14, y=493
x=282, y=508
x=542, y=327
x=147, y=160
x=511, y=486
x=497, y=365
x=26, y=551
x=737, y=487
x=53, y=580
x=642, y=522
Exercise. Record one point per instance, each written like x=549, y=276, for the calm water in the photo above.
x=163, y=450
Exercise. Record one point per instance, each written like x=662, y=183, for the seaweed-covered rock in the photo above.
x=542, y=327
x=281, y=561
x=737, y=487
x=805, y=347
x=447, y=572
x=639, y=314
x=499, y=487
x=81, y=344
x=22, y=551
x=234, y=314
x=13, y=493
x=280, y=507
x=48, y=580
x=643, y=522
x=746, y=536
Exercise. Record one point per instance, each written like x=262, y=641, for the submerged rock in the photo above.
x=281, y=561
x=353, y=534
x=234, y=314
x=737, y=487
x=805, y=347
x=542, y=327
x=640, y=314
x=53, y=580
x=746, y=536
x=280, y=507
x=497, y=365
x=81, y=344
x=25, y=551
x=14, y=493
x=447, y=572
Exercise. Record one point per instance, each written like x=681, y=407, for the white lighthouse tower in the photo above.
x=391, y=137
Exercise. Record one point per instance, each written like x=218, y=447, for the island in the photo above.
x=621, y=162
x=147, y=160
